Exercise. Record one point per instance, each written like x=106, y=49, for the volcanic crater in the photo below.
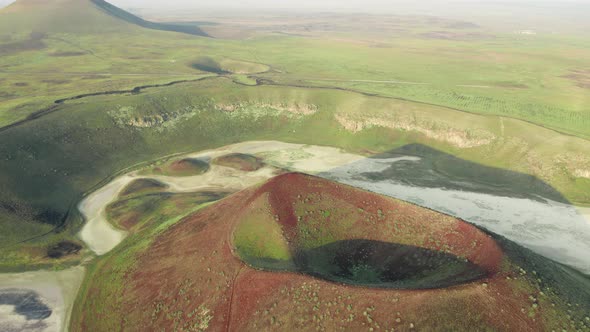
x=336, y=233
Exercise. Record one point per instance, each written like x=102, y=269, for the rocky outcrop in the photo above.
x=461, y=138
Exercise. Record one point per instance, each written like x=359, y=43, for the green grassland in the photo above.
x=49, y=163
x=271, y=250
x=509, y=75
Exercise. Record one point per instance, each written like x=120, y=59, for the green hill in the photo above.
x=77, y=16
x=128, y=17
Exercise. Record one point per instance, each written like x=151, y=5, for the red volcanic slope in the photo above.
x=190, y=278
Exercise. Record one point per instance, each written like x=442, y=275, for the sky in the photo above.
x=338, y=5
x=335, y=5
x=508, y=13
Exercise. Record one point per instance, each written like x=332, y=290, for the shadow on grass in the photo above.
x=437, y=169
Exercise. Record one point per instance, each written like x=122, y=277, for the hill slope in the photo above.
x=76, y=16
x=304, y=253
x=128, y=17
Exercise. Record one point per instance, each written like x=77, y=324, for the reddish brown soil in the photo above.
x=240, y=161
x=181, y=166
x=129, y=221
x=294, y=300
x=186, y=167
x=141, y=186
x=189, y=277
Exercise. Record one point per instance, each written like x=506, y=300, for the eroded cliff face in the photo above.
x=269, y=108
x=442, y=132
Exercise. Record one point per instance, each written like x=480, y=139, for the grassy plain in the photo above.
x=50, y=162
x=536, y=78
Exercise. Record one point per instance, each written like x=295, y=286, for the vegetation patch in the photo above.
x=143, y=186
x=22, y=46
x=67, y=54
x=240, y=161
x=245, y=80
x=270, y=251
x=64, y=248
x=134, y=213
x=580, y=77
x=56, y=81
x=183, y=167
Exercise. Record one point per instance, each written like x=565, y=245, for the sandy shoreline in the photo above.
x=101, y=236
x=585, y=212
x=98, y=234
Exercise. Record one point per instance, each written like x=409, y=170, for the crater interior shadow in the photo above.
x=386, y=265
